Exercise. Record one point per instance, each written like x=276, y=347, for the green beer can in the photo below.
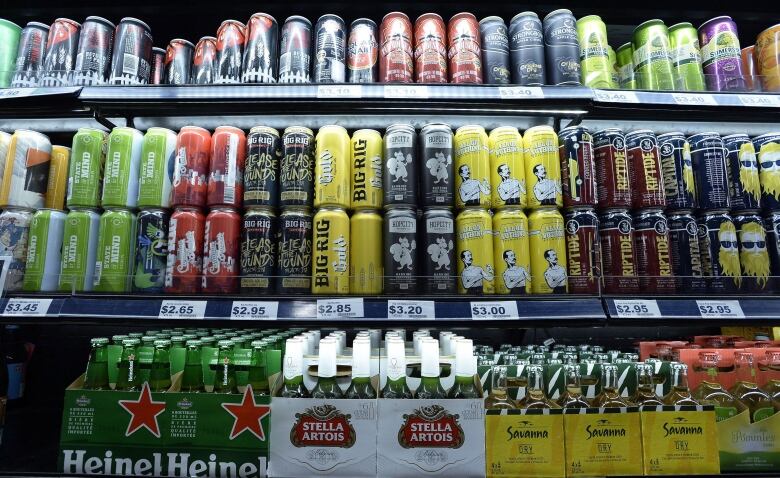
x=44, y=245
x=613, y=61
x=158, y=157
x=79, y=250
x=9, y=42
x=625, y=66
x=595, y=66
x=686, y=57
x=653, y=56
x=115, y=251
x=85, y=172
x=123, y=161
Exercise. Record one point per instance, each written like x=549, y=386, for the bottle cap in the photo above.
x=444, y=338
x=430, y=357
x=326, y=366
x=401, y=333
x=293, y=358
x=417, y=336
x=361, y=358
x=465, y=364
x=376, y=337
x=396, y=359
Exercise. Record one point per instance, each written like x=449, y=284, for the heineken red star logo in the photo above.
x=143, y=412
x=247, y=415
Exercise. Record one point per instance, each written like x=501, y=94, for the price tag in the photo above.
x=411, y=309
x=182, y=309
x=27, y=307
x=694, y=99
x=520, y=92
x=16, y=92
x=406, y=91
x=720, y=309
x=249, y=310
x=339, y=91
x=616, y=96
x=637, y=309
x=339, y=308
x=760, y=100
x=498, y=310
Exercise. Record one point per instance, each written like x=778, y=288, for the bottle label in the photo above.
x=722, y=413
x=758, y=415
x=292, y=368
x=15, y=381
x=396, y=368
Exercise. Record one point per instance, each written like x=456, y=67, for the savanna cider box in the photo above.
x=680, y=440
x=524, y=443
x=603, y=441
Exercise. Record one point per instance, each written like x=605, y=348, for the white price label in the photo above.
x=760, y=100
x=720, y=309
x=249, y=310
x=406, y=91
x=616, y=96
x=498, y=310
x=16, y=92
x=637, y=309
x=339, y=91
x=182, y=309
x=694, y=99
x=339, y=308
x=519, y=92
x=27, y=307
x=411, y=309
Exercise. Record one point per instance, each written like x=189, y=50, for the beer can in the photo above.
x=625, y=65
x=684, y=252
x=430, y=49
x=767, y=59
x=436, y=173
x=613, y=61
x=261, y=172
x=295, y=51
x=190, y=175
x=677, y=167
x=542, y=167
x=362, y=52
x=595, y=67
x=583, y=250
x=330, y=36
x=226, y=167
x=157, y=67
x=578, y=169
x=295, y=251
x=548, y=251
x=686, y=58
x=10, y=33
x=261, y=51
x=330, y=266
x=464, y=49
x=399, y=179
x=259, y=241
x=400, y=250
x=132, y=52
x=61, y=48
x=158, y=160
x=438, y=239
x=612, y=169
x=645, y=169
x=85, y=172
x=5, y=142
x=720, y=57
x=495, y=51
x=231, y=37
x=151, y=250
x=123, y=162
x=651, y=246
x=14, y=233
x=512, y=259
x=44, y=249
x=185, y=251
x=367, y=166
x=750, y=68
x=221, y=248
x=204, y=62
x=296, y=186
x=115, y=259
x=472, y=162
x=474, y=246
x=396, y=55
x=93, y=56
x=26, y=173
x=618, y=257
x=710, y=172
x=58, y=178
x=742, y=168
x=767, y=148
x=753, y=253
x=332, y=169
x=178, y=62
x=366, y=269
x=561, y=48
x=79, y=250
x=30, y=55
x=719, y=248
x=526, y=43
x=772, y=230
x=652, y=56
x=507, y=168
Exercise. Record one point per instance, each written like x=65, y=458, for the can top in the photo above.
x=367, y=131
x=704, y=134
x=609, y=130
x=713, y=212
x=264, y=129
x=524, y=14
x=394, y=210
x=68, y=20
x=182, y=41
x=396, y=14
x=774, y=136
x=638, y=132
x=196, y=128
x=298, y=18
x=259, y=209
x=333, y=126
x=770, y=30
x=125, y=129
x=363, y=20
x=649, y=23
x=10, y=24
x=299, y=210
x=540, y=128
x=590, y=18
x=466, y=127
x=680, y=25
x=748, y=49
x=298, y=129
x=229, y=209
x=746, y=212
x=510, y=211
x=116, y=209
x=437, y=210
x=624, y=46
x=557, y=12
x=614, y=210
x=38, y=25
x=435, y=16
x=504, y=129
x=230, y=129
x=332, y=16
x=671, y=135
x=263, y=15
x=207, y=39
x=366, y=211
x=736, y=136
x=431, y=126
x=157, y=129
x=60, y=147
x=575, y=127
x=721, y=18
x=102, y=20
x=231, y=22
x=680, y=212
x=493, y=18
x=399, y=126
x=152, y=210
x=463, y=15
x=159, y=50
x=136, y=21
x=29, y=131
x=337, y=209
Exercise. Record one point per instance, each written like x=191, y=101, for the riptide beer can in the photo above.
x=767, y=147
x=31, y=52
x=548, y=251
x=400, y=175
x=437, y=184
x=595, y=66
x=14, y=231
x=221, y=249
x=178, y=62
x=710, y=171
x=772, y=230
x=430, y=49
x=438, y=239
x=578, y=169
x=259, y=242
x=151, y=250
x=26, y=172
x=652, y=248
x=115, y=251
x=583, y=250
x=645, y=169
x=259, y=64
x=158, y=160
x=625, y=65
x=677, y=167
x=474, y=246
x=157, y=67
x=526, y=44
x=400, y=250
x=542, y=167
x=191, y=172
x=58, y=178
x=330, y=266
x=507, y=168
x=123, y=162
x=332, y=168
x=495, y=51
x=231, y=38
x=79, y=250
x=743, y=176
x=720, y=55
x=366, y=263
x=226, y=167
x=295, y=51
x=684, y=252
x=472, y=162
x=44, y=249
x=330, y=36
x=362, y=52
x=616, y=236
x=612, y=169
x=686, y=57
x=753, y=253
x=296, y=185
x=396, y=54
x=295, y=251
x=719, y=248
x=561, y=48
x=132, y=52
x=261, y=171
x=652, y=56
x=185, y=251
x=464, y=49
x=204, y=62
x=367, y=166
x=511, y=253
x=93, y=57
x=61, y=48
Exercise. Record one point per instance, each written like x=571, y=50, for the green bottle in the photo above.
x=225, y=379
x=258, y=369
x=192, y=377
x=160, y=375
x=326, y=371
x=430, y=385
x=293, y=370
x=127, y=378
x=465, y=369
x=96, y=377
x=361, y=370
x=396, y=386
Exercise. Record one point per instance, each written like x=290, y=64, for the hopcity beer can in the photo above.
x=158, y=160
x=123, y=161
x=79, y=250
x=14, y=232
x=115, y=251
x=295, y=251
x=296, y=185
x=438, y=239
x=507, y=168
x=548, y=251
x=753, y=253
x=31, y=52
x=578, y=169
x=191, y=172
x=495, y=51
x=719, y=248
x=474, y=246
x=332, y=169
x=616, y=235
x=178, y=62
x=330, y=36
x=526, y=43
x=400, y=176
x=93, y=57
x=743, y=176
x=645, y=170
x=330, y=266
x=709, y=170
x=612, y=169
x=261, y=171
x=684, y=252
x=464, y=49
x=44, y=251
x=151, y=250
x=221, y=249
x=204, y=62
x=231, y=37
x=651, y=246
x=58, y=178
x=362, y=52
x=437, y=184
x=396, y=55
x=542, y=167
x=295, y=51
x=767, y=148
x=366, y=263
x=226, y=167
x=157, y=67
x=132, y=52
x=430, y=49
x=677, y=167
x=583, y=250
x=26, y=173
x=259, y=64
x=400, y=250
x=61, y=48
x=561, y=48
x=259, y=241
x=185, y=251
x=367, y=166
x=511, y=255
x=472, y=163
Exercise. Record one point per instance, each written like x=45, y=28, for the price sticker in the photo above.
x=616, y=96
x=16, y=92
x=339, y=91
x=498, y=310
x=720, y=309
x=182, y=309
x=411, y=309
x=694, y=99
x=637, y=309
x=760, y=100
x=520, y=92
x=250, y=310
x=27, y=307
x=339, y=308
x=406, y=91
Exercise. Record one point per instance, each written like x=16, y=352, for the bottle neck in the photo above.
x=535, y=383
x=745, y=372
x=680, y=379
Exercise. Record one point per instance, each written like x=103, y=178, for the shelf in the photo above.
x=703, y=310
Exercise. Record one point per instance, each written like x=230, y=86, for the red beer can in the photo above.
x=191, y=172
x=204, y=62
x=221, y=251
x=645, y=168
x=396, y=64
x=430, y=49
x=231, y=37
x=582, y=247
x=465, y=51
x=616, y=235
x=612, y=169
x=226, y=167
x=578, y=171
x=185, y=251
x=653, y=256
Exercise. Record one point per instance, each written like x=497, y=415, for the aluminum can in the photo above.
x=511, y=255
x=261, y=53
x=295, y=251
x=157, y=66
x=123, y=163
x=595, y=67
x=613, y=62
x=132, y=52
x=495, y=51
x=548, y=251
x=259, y=242
x=472, y=162
x=720, y=57
x=474, y=246
x=400, y=250
x=753, y=253
x=367, y=166
x=362, y=52
x=436, y=174
x=772, y=230
x=652, y=56
x=464, y=50
x=85, y=172
x=261, y=172
x=625, y=66
x=26, y=172
x=645, y=169
x=561, y=48
x=396, y=55
x=618, y=257
x=158, y=161
x=185, y=251
x=578, y=168
x=719, y=248
x=295, y=51
x=204, y=62
x=221, y=249
x=507, y=168
x=750, y=68
x=10, y=33
x=767, y=148
x=93, y=57
x=684, y=252
x=226, y=167
x=79, y=250
x=5, y=142
x=542, y=167
x=115, y=256
x=677, y=167
x=430, y=49
x=652, y=248
x=526, y=43
x=151, y=250
x=613, y=180
x=686, y=58
x=438, y=239
x=61, y=48
x=583, y=250
x=296, y=185
x=710, y=170
x=178, y=62
x=330, y=266
x=14, y=233
x=44, y=251
x=330, y=36
x=58, y=178
x=231, y=38
x=190, y=174
x=366, y=269
x=332, y=168
x=31, y=53
x=767, y=58
x=743, y=177
x=399, y=178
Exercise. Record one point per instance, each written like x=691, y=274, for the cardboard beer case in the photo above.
x=603, y=441
x=524, y=443
x=749, y=447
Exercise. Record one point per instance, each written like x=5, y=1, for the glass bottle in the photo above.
x=258, y=369
x=498, y=396
x=225, y=378
x=396, y=386
x=160, y=374
x=645, y=387
x=96, y=377
x=711, y=392
x=772, y=386
x=573, y=397
x=679, y=394
x=327, y=386
x=361, y=387
x=127, y=378
x=534, y=394
x=293, y=370
x=192, y=377
x=746, y=390
x=430, y=384
x=610, y=393
x=465, y=369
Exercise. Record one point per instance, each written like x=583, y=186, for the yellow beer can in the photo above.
x=330, y=265
x=472, y=166
x=332, y=169
x=366, y=269
x=58, y=178
x=507, y=170
x=367, y=191
x=542, y=167
x=548, y=251
x=474, y=246
x=510, y=252
x=26, y=172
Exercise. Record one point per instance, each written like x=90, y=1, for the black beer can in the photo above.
x=526, y=47
x=61, y=48
x=436, y=175
x=742, y=166
x=495, y=51
x=261, y=170
x=93, y=57
x=719, y=248
x=684, y=252
x=231, y=37
x=151, y=250
x=400, y=243
x=330, y=36
x=709, y=171
x=753, y=252
x=259, y=239
x=772, y=230
x=30, y=55
x=295, y=251
x=295, y=51
x=157, y=62
x=296, y=185
x=677, y=169
x=362, y=52
x=204, y=62
x=132, y=52
x=561, y=48
x=261, y=53
x=400, y=174
x=178, y=62
x=438, y=259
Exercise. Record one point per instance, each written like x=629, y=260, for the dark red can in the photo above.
x=430, y=49
x=132, y=52
x=221, y=251
x=231, y=37
x=582, y=248
x=465, y=51
x=178, y=62
x=578, y=171
x=616, y=234
x=190, y=175
x=204, y=63
x=157, y=62
x=396, y=64
x=645, y=169
x=185, y=251
x=61, y=48
x=612, y=169
x=93, y=59
x=653, y=254
x=261, y=53
x=226, y=167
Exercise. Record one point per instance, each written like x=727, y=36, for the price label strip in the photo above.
x=419, y=92
x=520, y=92
x=339, y=91
x=496, y=310
x=182, y=309
x=411, y=309
x=772, y=101
x=27, y=307
x=720, y=309
x=694, y=99
x=637, y=309
x=616, y=96
x=250, y=310
x=340, y=308
x=16, y=92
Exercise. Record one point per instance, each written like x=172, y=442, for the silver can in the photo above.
x=400, y=176
x=436, y=175
x=14, y=231
x=437, y=261
x=400, y=243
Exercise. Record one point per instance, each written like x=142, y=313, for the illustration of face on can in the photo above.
x=728, y=255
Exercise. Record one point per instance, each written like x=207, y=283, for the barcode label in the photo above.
x=129, y=64
x=98, y=272
x=172, y=251
x=230, y=179
x=70, y=189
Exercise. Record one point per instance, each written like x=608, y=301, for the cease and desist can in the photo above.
x=44, y=251
x=362, y=52
x=526, y=43
x=400, y=250
x=720, y=55
x=366, y=270
x=58, y=178
x=767, y=147
x=772, y=231
x=185, y=251
x=561, y=48
x=93, y=57
x=130, y=60
x=652, y=56
x=430, y=49
x=684, y=252
x=616, y=235
x=295, y=251
x=651, y=245
x=753, y=254
x=157, y=67
x=578, y=169
x=331, y=239
x=437, y=184
x=396, y=54
x=677, y=167
x=261, y=171
x=367, y=166
x=742, y=168
x=178, y=62
x=204, y=62
x=221, y=251
x=548, y=251
x=400, y=175
x=583, y=250
x=158, y=161
x=226, y=167
x=438, y=239
x=495, y=51
x=231, y=38
x=542, y=167
x=14, y=232
x=191, y=172
x=464, y=49
x=123, y=161
x=686, y=57
x=512, y=258
x=296, y=185
x=330, y=37
x=709, y=170
x=295, y=51
x=474, y=246
x=645, y=170
x=79, y=250
x=719, y=248
x=595, y=66
x=507, y=169
x=472, y=163
x=31, y=52
x=332, y=168
x=259, y=64
x=61, y=48
x=26, y=172
x=115, y=251
x=612, y=169
x=151, y=250
x=259, y=241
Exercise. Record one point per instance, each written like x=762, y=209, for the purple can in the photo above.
x=720, y=55
x=93, y=60
x=157, y=72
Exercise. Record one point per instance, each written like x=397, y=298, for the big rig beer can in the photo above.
x=58, y=178
x=464, y=49
x=472, y=163
x=79, y=250
x=295, y=51
x=331, y=239
x=367, y=166
x=14, y=231
x=123, y=161
x=542, y=167
x=115, y=251
x=151, y=250
x=44, y=251
x=583, y=250
x=204, y=62
x=677, y=167
x=400, y=250
x=652, y=248
x=548, y=251
x=396, y=54
x=261, y=51
x=709, y=170
x=30, y=55
x=526, y=43
x=767, y=148
x=295, y=251
x=561, y=48
x=191, y=172
x=507, y=168
x=296, y=178
x=185, y=251
x=362, y=52
x=612, y=169
x=437, y=184
x=132, y=52
x=743, y=176
x=332, y=169
x=495, y=51
x=178, y=62
x=226, y=167
x=753, y=254
x=221, y=249
x=430, y=49
x=261, y=171
x=719, y=248
x=684, y=252
x=616, y=235
x=231, y=37
x=400, y=175
x=474, y=246
x=158, y=160
x=578, y=169
x=438, y=261
x=511, y=255
x=26, y=172
x=330, y=37
x=366, y=263
x=61, y=48
x=645, y=170
x=85, y=172
x=259, y=242
x=93, y=57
